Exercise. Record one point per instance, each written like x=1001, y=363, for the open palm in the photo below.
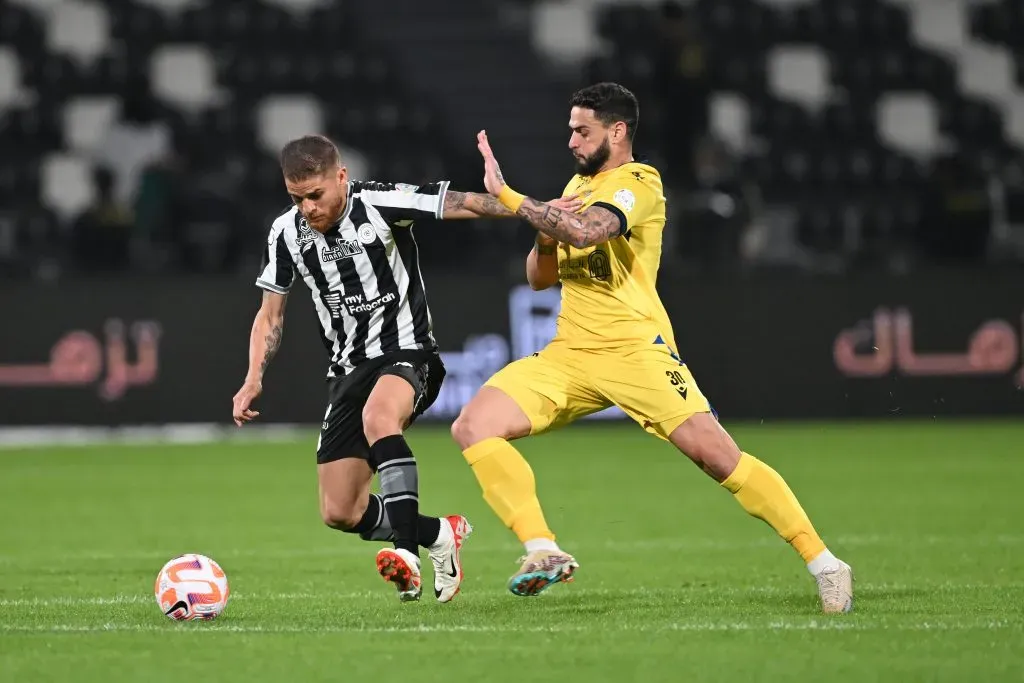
x=493, y=179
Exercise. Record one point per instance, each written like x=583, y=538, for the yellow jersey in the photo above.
x=609, y=297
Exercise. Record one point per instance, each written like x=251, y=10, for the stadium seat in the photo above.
x=86, y=121
x=78, y=28
x=67, y=185
x=183, y=76
x=909, y=122
x=10, y=78
x=281, y=118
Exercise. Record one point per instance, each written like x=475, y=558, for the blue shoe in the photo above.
x=542, y=568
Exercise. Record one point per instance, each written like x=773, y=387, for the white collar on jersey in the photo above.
x=348, y=208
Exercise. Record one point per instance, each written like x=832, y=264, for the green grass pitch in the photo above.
x=676, y=582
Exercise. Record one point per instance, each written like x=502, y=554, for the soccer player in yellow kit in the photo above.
x=614, y=346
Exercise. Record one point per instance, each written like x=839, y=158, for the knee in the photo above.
x=340, y=516
x=716, y=457
x=461, y=429
x=708, y=445
x=379, y=423
x=470, y=428
x=717, y=463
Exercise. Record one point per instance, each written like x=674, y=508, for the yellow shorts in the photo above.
x=559, y=385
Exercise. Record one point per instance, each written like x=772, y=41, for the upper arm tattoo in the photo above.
x=593, y=226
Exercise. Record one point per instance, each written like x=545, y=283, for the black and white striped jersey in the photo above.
x=363, y=273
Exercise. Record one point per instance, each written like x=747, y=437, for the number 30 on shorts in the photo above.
x=678, y=381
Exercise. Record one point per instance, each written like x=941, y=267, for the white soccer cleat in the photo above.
x=446, y=556
x=401, y=568
x=542, y=568
x=835, y=586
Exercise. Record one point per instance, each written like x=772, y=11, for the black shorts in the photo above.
x=341, y=435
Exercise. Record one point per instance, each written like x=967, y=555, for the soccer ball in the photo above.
x=191, y=587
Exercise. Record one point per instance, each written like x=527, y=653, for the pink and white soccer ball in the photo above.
x=191, y=587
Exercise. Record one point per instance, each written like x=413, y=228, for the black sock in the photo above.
x=376, y=526
x=399, y=486
x=429, y=530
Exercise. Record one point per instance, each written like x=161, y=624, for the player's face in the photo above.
x=590, y=142
x=320, y=199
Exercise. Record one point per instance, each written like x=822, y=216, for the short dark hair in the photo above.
x=309, y=156
x=611, y=103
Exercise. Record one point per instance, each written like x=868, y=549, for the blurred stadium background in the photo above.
x=829, y=165
x=845, y=183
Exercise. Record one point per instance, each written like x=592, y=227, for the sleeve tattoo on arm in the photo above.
x=593, y=226
x=480, y=204
x=273, y=340
x=490, y=206
x=453, y=201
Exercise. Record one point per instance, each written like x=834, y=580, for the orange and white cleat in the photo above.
x=401, y=568
x=542, y=568
x=445, y=554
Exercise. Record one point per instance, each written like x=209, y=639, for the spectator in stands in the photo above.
x=102, y=233
x=958, y=216
x=159, y=205
x=718, y=210
x=134, y=141
x=680, y=77
x=1013, y=177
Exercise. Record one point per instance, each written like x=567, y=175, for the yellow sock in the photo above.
x=509, y=487
x=765, y=495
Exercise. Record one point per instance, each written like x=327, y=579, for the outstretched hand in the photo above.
x=493, y=179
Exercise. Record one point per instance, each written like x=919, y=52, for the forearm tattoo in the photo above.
x=480, y=204
x=273, y=340
x=593, y=226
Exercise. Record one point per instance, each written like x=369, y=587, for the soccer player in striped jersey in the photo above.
x=352, y=243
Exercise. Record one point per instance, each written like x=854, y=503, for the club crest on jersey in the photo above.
x=306, y=234
x=366, y=234
x=341, y=250
x=406, y=187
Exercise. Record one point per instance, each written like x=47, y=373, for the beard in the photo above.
x=326, y=218
x=332, y=214
x=589, y=166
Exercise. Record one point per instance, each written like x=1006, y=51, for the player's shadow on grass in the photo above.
x=897, y=598
x=798, y=601
x=565, y=603
x=801, y=602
